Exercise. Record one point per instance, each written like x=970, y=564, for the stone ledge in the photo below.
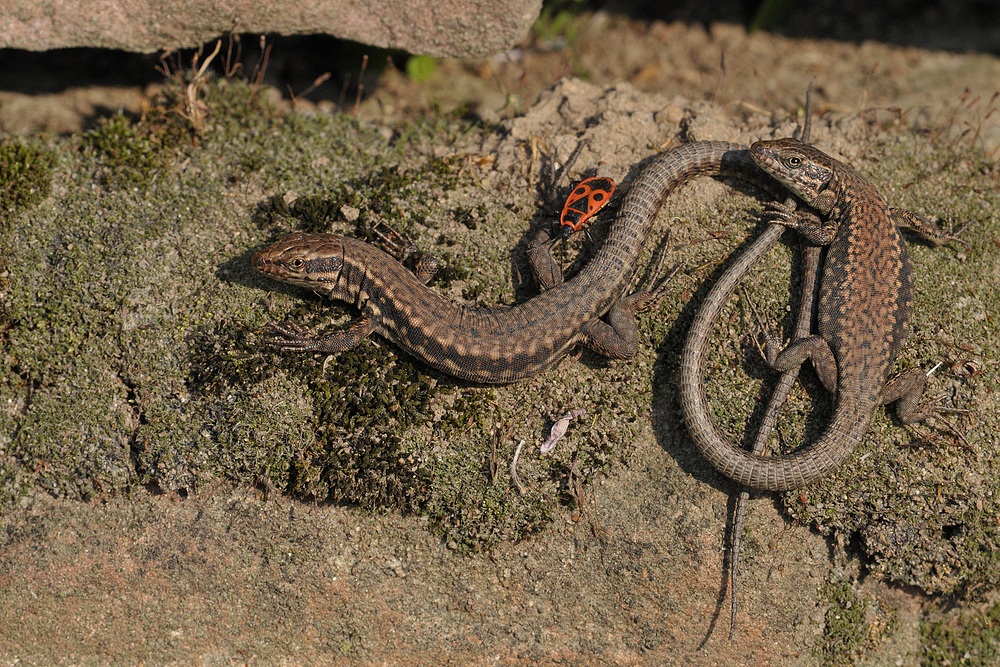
x=453, y=28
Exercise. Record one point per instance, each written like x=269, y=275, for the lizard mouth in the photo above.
x=276, y=269
x=258, y=262
x=269, y=268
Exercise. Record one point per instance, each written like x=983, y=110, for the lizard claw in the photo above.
x=772, y=344
x=290, y=337
x=771, y=348
x=652, y=293
x=782, y=213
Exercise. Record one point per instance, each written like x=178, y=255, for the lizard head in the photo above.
x=804, y=170
x=313, y=261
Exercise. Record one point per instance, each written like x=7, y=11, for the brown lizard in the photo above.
x=504, y=343
x=863, y=311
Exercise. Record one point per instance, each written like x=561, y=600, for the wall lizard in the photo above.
x=504, y=343
x=863, y=311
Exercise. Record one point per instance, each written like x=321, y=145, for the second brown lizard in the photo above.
x=865, y=302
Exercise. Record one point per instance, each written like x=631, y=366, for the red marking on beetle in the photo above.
x=588, y=197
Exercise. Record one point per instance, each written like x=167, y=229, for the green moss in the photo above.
x=311, y=213
x=330, y=433
x=366, y=427
x=855, y=624
x=964, y=637
x=133, y=343
x=406, y=197
x=74, y=438
x=456, y=268
x=432, y=134
x=771, y=14
x=25, y=177
x=190, y=109
x=474, y=507
x=560, y=23
x=365, y=402
x=236, y=107
x=127, y=154
x=403, y=200
x=846, y=629
x=559, y=18
x=472, y=502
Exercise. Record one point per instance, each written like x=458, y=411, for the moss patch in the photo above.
x=25, y=177
x=134, y=352
x=855, y=624
x=132, y=330
x=963, y=637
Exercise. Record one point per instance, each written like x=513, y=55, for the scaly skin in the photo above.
x=863, y=312
x=504, y=343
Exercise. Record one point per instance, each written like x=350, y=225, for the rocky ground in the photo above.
x=210, y=559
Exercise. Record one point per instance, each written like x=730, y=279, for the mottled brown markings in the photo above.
x=865, y=302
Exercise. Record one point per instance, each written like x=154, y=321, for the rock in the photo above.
x=459, y=28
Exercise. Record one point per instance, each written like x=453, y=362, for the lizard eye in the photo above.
x=794, y=162
x=298, y=263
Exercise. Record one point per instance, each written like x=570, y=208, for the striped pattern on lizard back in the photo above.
x=504, y=343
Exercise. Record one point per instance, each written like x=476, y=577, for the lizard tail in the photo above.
x=776, y=473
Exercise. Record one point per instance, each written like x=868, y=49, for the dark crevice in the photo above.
x=139, y=420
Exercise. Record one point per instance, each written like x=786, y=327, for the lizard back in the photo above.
x=505, y=343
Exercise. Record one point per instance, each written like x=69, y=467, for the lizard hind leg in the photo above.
x=655, y=287
x=616, y=336
x=924, y=227
x=905, y=390
x=813, y=348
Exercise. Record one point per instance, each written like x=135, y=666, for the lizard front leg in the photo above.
x=423, y=264
x=294, y=338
